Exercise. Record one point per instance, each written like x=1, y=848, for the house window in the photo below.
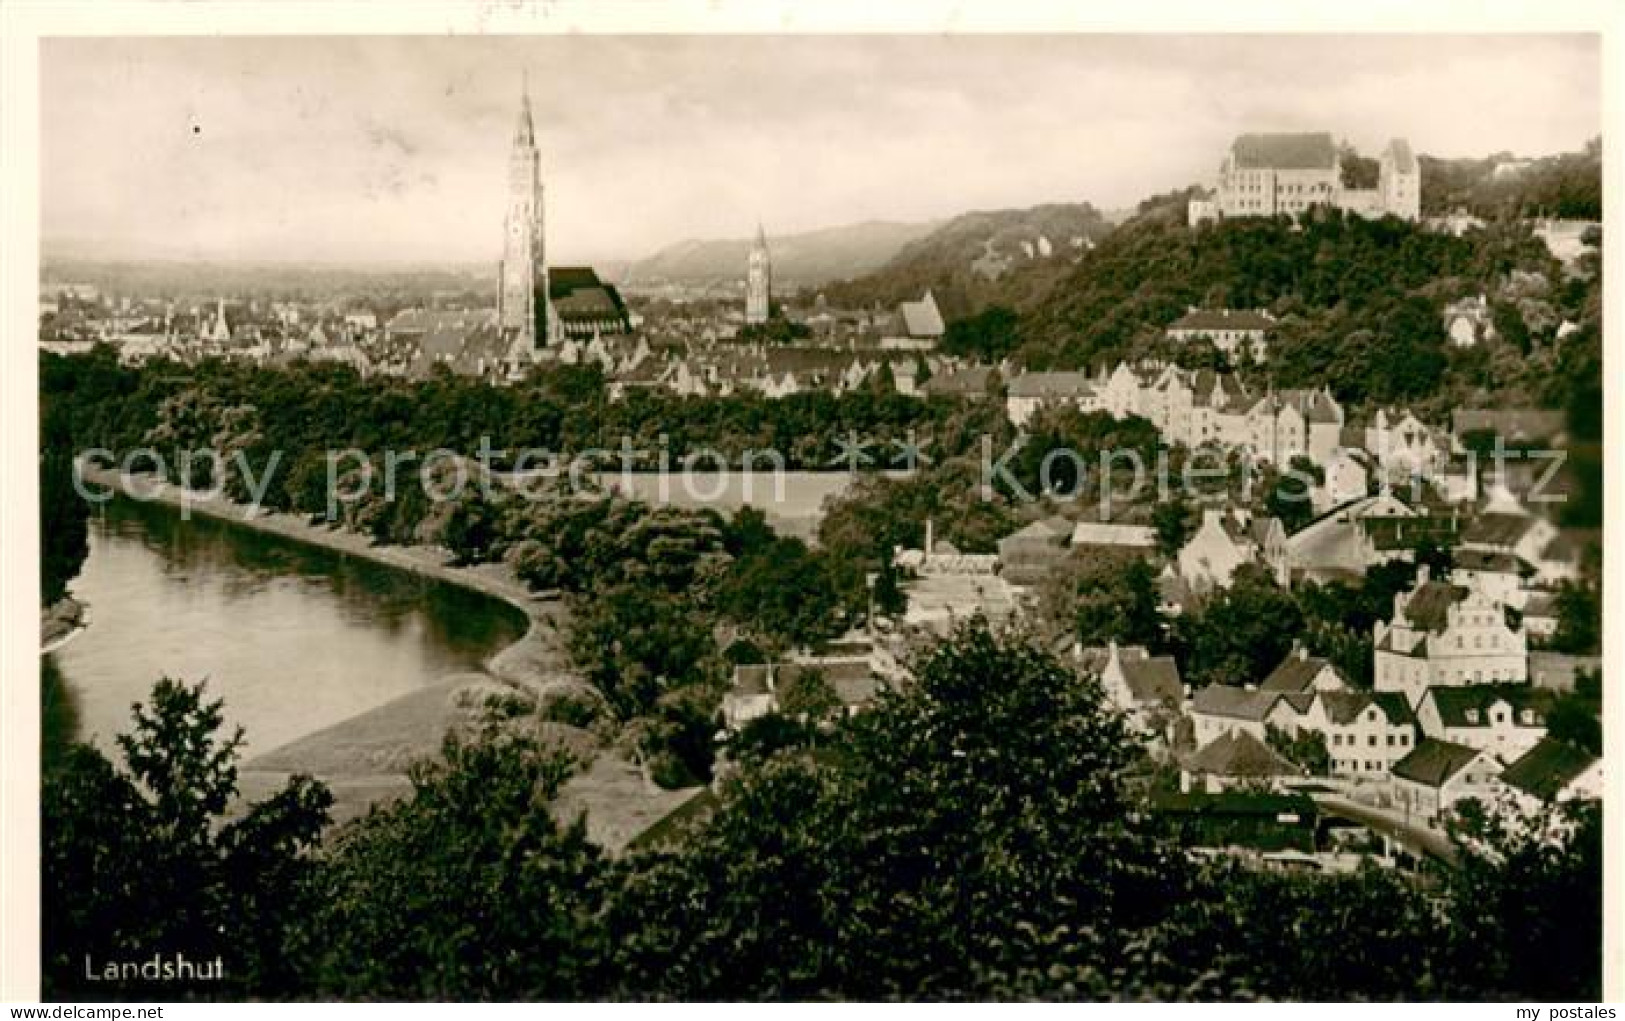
x=1371, y=741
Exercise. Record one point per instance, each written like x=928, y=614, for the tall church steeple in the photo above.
x=759, y=281
x=524, y=133
x=522, y=298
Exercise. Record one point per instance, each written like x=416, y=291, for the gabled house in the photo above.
x=1437, y=775
x=1494, y=718
x=1137, y=682
x=750, y=696
x=1235, y=759
x=1300, y=673
x=1350, y=538
x=969, y=383
x=1221, y=708
x=1210, y=557
x=1446, y=635
x=1365, y=732
x=1033, y=390
x=1403, y=443
x=1347, y=478
x=1551, y=773
x=1539, y=617
x=1521, y=535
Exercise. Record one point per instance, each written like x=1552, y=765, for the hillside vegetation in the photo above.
x=1567, y=186
x=1361, y=305
x=1006, y=257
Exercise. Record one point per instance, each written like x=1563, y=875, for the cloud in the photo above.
x=396, y=148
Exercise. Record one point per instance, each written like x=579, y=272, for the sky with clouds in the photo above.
x=394, y=149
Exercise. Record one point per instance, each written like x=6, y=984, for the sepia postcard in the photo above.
x=539, y=503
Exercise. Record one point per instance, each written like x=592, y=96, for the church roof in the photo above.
x=577, y=294
x=922, y=318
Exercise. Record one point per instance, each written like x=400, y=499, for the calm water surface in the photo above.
x=292, y=638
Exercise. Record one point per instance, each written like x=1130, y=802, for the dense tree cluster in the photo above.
x=63, y=514
x=1359, y=301
x=976, y=834
x=978, y=260
x=1567, y=186
x=304, y=410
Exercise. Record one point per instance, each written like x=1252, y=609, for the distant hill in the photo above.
x=1006, y=257
x=177, y=279
x=799, y=260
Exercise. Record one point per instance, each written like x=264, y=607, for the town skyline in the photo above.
x=403, y=139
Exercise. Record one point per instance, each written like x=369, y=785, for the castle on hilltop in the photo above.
x=1270, y=174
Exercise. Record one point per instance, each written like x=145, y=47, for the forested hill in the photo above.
x=1361, y=304
x=1006, y=257
x=1567, y=186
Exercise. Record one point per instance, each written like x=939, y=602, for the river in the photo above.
x=293, y=638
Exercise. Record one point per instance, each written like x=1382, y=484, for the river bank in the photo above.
x=364, y=758
x=537, y=663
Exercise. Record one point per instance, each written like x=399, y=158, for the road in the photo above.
x=1412, y=834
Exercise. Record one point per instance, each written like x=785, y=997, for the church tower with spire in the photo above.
x=522, y=297
x=759, y=282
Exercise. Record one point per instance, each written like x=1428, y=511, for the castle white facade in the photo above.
x=1271, y=174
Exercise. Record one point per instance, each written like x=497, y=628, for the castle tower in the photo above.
x=759, y=284
x=522, y=296
x=1399, y=180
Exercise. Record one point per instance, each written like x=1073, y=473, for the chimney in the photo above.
x=1302, y=650
x=929, y=536
x=1422, y=574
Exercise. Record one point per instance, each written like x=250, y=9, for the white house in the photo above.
x=1231, y=330
x=1135, y=681
x=1220, y=709
x=1347, y=477
x=1210, y=557
x=1365, y=732
x=1553, y=773
x=1446, y=635
x=1489, y=717
x=1437, y=775
x=1032, y=390
x=1300, y=673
